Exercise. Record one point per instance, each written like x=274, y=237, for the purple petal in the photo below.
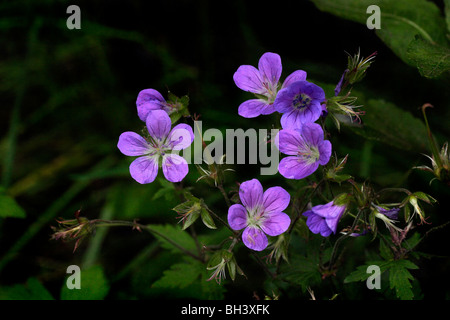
x=283, y=101
x=251, y=193
x=289, y=141
x=248, y=78
x=175, y=168
x=158, y=124
x=252, y=108
x=310, y=113
x=337, y=90
x=294, y=76
x=329, y=210
x=291, y=120
x=325, y=152
x=268, y=109
x=275, y=199
x=144, y=169
x=317, y=224
x=313, y=134
x=312, y=90
x=254, y=238
x=296, y=168
x=276, y=223
x=145, y=108
x=237, y=217
x=270, y=67
x=132, y=144
x=181, y=136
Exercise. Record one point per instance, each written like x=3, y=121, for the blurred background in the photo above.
x=67, y=95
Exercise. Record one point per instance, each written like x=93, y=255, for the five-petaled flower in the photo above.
x=299, y=103
x=306, y=148
x=260, y=213
x=324, y=218
x=160, y=144
x=264, y=83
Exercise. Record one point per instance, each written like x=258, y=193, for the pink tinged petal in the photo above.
x=289, y=141
x=254, y=238
x=174, y=167
x=325, y=152
x=252, y=108
x=275, y=199
x=158, y=124
x=181, y=136
x=275, y=223
x=144, y=169
x=251, y=193
x=132, y=144
x=237, y=217
x=248, y=78
x=294, y=76
x=270, y=67
x=296, y=167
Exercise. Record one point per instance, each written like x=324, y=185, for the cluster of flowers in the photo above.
x=301, y=104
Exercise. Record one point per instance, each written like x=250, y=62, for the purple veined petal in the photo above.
x=174, y=167
x=237, y=217
x=254, y=238
x=312, y=133
x=275, y=223
x=275, y=199
x=251, y=193
x=289, y=141
x=158, y=124
x=296, y=168
x=270, y=68
x=268, y=109
x=325, y=149
x=132, y=144
x=252, y=108
x=248, y=78
x=313, y=91
x=144, y=108
x=283, y=101
x=291, y=120
x=317, y=224
x=149, y=95
x=181, y=136
x=294, y=76
x=310, y=113
x=332, y=224
x=144, y=169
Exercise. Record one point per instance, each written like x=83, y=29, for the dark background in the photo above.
x=66, y=95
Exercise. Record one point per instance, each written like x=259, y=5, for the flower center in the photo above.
x=311, y=155
x=255, y=216
x=301, y=101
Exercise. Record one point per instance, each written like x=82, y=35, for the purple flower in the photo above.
x=148, y=100
x=263, y=82
x=300, y=103
x=306, y=149
x=324, y=218
x=159, y=145
x=260, y=213
x=390, y=213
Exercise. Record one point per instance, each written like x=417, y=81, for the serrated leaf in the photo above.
x=361, y=274
x=94, y=286
x=179, y=275
x=399, y=278
x=174, y=237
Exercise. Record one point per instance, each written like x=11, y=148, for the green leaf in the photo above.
x=173, y=238
x=94, y=286
x=431, y=60
x=361, y=274
x=401, y=21
x=447, y=14
x=399, y=278
x=9, y=207
x=386, y=123
x=31, y=290
x=180, y=275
